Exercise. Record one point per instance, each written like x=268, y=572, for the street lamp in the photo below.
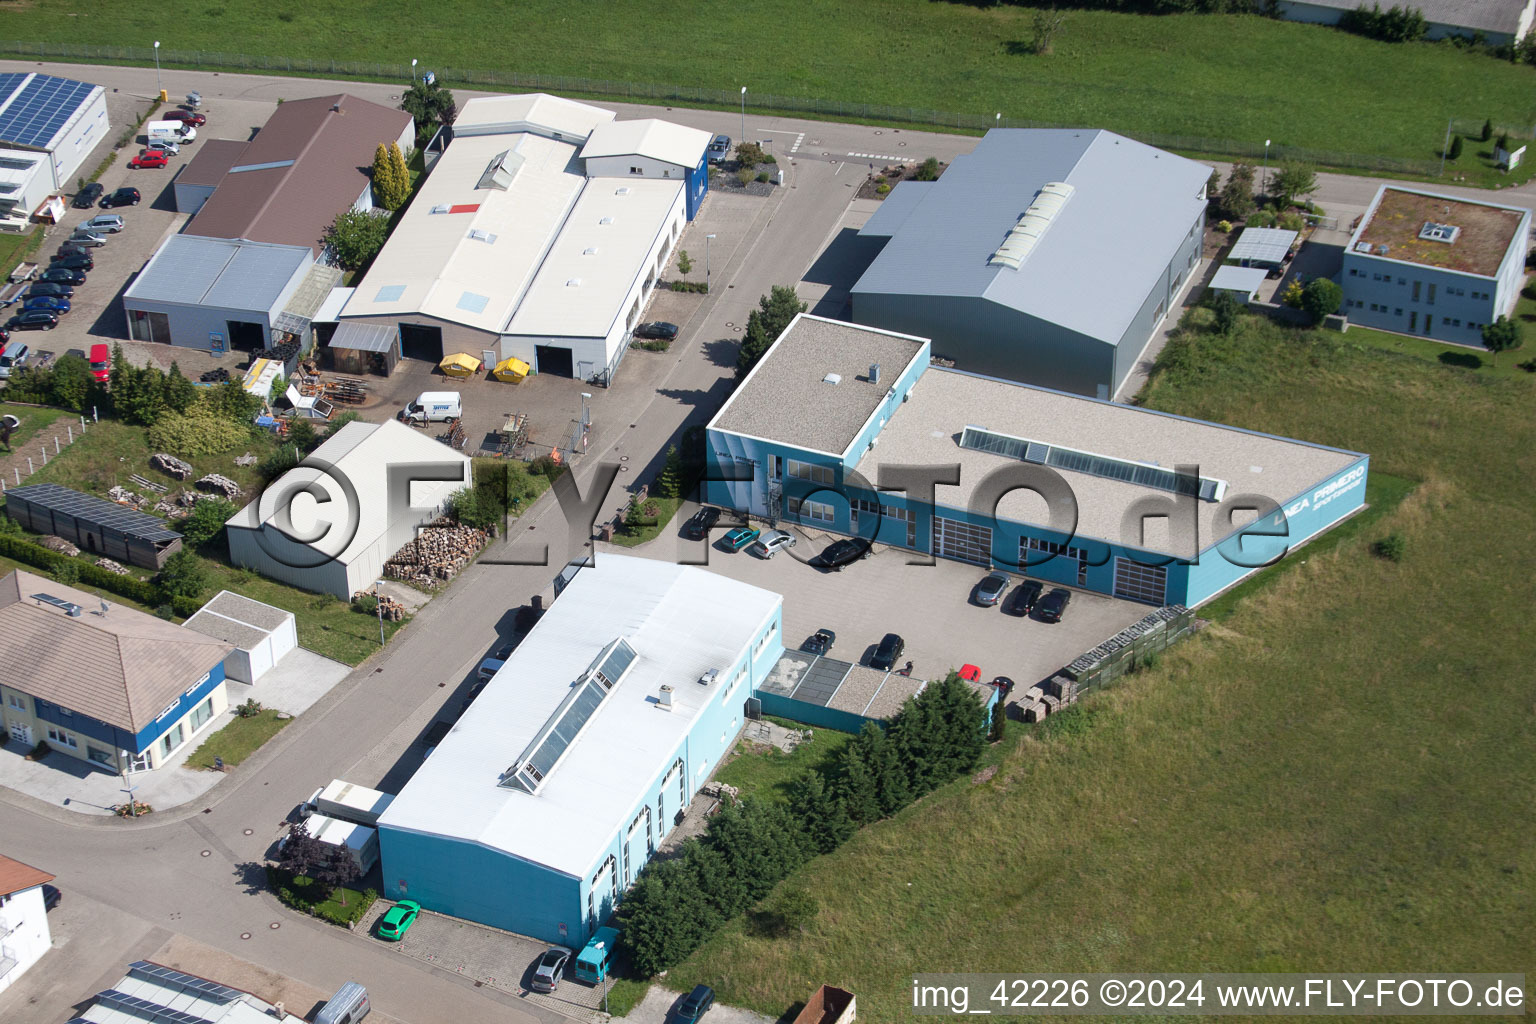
x=133, y=808
x=999, y=119
x=158, y=89
x=413, y=72
x=378, y=606
x=706, y=263
x=586, y=418
x=1264, y=184
x=743, y=113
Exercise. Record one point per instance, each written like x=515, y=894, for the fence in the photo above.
x=681, y=95
x=1127, y=649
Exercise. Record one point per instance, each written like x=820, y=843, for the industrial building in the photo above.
x=24, y=932
x=1046, y=256
x=93, y=524
x=1433, y=265
x=564, y=776
x=851, y=430
x=259, y=633
x=107, y=685
x=539, y=234
x=1495, y=22
x=48, y=126
x=369, y=488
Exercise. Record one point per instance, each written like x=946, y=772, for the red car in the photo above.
x=150, y=158
x=190, y=117
x=101, y=362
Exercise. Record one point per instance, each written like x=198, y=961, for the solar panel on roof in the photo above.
x=211, y=989
x=94, y=510
x=39, y=107
x=146, y=1010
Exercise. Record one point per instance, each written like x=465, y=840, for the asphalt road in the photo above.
x=197, y=872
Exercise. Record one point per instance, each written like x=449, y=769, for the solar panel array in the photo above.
x=202, y=986
x=94, y=510
x=1141, y=474
x=39, y=106
x=145, y=1010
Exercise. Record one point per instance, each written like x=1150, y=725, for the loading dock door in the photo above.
x=554, y=360
x=1137, y=582
x=963, y=542
x=418, y=341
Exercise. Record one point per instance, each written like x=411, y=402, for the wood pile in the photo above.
x=170, y=509
x=171, y=465
x=123, y=496
x=346, y=390
x=189, y=498
x=437, y=554
x=60, y=545
x=115, y=568
x=389, y=609
x=147, y=484
x=223, y=484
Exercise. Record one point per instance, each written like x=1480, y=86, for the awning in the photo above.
x=460, y=364
x=364, y=337
x=511, y=370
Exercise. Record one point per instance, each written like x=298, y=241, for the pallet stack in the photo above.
x=1030, y=705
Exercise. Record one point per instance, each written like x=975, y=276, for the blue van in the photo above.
x=595, y=957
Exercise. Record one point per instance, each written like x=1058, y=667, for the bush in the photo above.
x=688, y=286
x=1392, y=547
x=1261, y=219
x=206, y=520
x=183, y=575
x=1291, y=221
x=1292, y=295
x=1321, y=298
x=365, y=603
x=39, y=557
x=881, y=190
x=764, y=177
x=653, y=345
x=1224, y=226
x=547, y=467
x=746, y=175
x=250, y=708
x=67, y=572
x=1396, y=25
x=750, y=154
x=284, y=458
x=928, y=170
x=198, y=432
x=185, y=607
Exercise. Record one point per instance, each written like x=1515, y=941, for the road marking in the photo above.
x=874, y=156
x=796, y=147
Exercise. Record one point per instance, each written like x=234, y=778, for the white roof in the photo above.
x=681, y=621
x=361, y=453
x=330, y=309
x=164, y=988
x=1238, y=279
x=533, y=111
x=471, y=262
x=648, y=136
x=605, y=245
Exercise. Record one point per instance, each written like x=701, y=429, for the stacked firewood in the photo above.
x=222, y=484
x=388, y=608
x=171, y=465
x=115, y=568
x=437, y=554
x=60, y=545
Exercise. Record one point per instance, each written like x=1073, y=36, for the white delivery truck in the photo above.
x=169, y=131
x=434, y=407
x=349, y=802
x=360, y=841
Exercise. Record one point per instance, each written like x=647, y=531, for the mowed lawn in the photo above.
x=1339, y=776
x=1232, y=77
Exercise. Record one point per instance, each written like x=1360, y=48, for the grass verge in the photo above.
x=666, y=510
x=767, y=772
x=343, y=906
x=238, y=740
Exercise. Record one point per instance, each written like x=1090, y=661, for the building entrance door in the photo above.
x=21, y=732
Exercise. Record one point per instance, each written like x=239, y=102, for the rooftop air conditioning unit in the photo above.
x=874, y=373
x=832, y=378
x=708, y=677
x=665, y=698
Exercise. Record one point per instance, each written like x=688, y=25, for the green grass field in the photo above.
x=767, y=772
x=1339, y=774
x=1228, y=77
x=238, y=740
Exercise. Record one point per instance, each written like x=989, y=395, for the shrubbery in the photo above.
x=39, y=557
x=206, y=520
x=1395, y=25
x=197, y=432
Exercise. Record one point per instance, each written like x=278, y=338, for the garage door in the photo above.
x=1137, y=582
x=963, y=542
x=553, y=361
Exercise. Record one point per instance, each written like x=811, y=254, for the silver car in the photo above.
x=84, y=237
x=771, y=543
x=109, y=223
x=547, y=972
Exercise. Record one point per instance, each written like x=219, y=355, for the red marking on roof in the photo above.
x=464, y=208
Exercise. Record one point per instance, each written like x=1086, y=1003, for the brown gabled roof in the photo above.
x=16, y=876
x=323, y=151
x=122, y=668
x=213, y=160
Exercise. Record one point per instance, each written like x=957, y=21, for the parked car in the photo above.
x=771, y=543
x=695, y=1005
x=150, y=159
x=891, y=647
x=657, y=329
x=548, y=971
x=398, y=920
x=55, y=304
x=474, y=691
x=991, y=589
x=704, y=520
x=843, y=552
x=74, y=261
x=168, y=146
x=101, y=362
x=17, y=352
x=84, y=237
x=740, y=538
x=111, y=223
x=62, y=275
x=190, y=117
x=1054, y=605
x=51, y=897
x=48, y=288
x=720, y=149
x=86, y=197
x=1024, y=598
x=71, y=247
x=492, y=664
x=819, y=642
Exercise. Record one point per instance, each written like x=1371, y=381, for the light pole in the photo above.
x=413, y=72
x=133, y=809
x=743, y=113
x=998, y=120
x=1264, y=182
x=586, y=418
x=378, y=606
x=706, y=263
x=158, y=89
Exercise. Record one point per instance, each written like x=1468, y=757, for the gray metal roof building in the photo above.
x=1047, y=256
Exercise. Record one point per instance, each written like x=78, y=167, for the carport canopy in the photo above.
x=1263, y=246
x=1241, y=281
x=364, y=337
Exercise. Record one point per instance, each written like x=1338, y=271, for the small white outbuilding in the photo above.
x=260, y=633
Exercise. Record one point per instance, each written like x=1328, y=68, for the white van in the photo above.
x=434, y=407
x=348, y=1006
x=169, y=131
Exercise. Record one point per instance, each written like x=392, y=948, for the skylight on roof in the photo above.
x=1142, y=474
x=390, y=293
x=472, y=302
x=541, y=756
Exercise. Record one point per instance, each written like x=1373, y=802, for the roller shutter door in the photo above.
x=963, y=542
x=1137, y=582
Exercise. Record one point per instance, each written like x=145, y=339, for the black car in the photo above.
x=843, y=552
x=819, y=642
x=695, y=1005
x=33, y=320
x=1054, y=604
x=48, y=288
x=704, y=520
x=86, y=197
x=1024, y=598
x=891, y=648
x=74, y=261
x=51, y=897
x=658, y=329
x=122, y=197
x=62, y=275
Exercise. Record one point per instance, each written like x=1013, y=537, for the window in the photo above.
x=62, y=738
x=172, y=739
x=1398, y=311
x=661, y=812
x=636, y=170
x=1353, y=272
x=1413, y=320
x=650, y=843
x=736, y=679
x=1402, y=280
x=1432, y=287
x=870, y=508
x=1445, y=321
x=16, y=701
x=1456, y=322
x=762, y=642
x=1415, y=291
x=101, y=757
x=625, y=849
x=201, y=714
x=818, y=512
x=814, y=473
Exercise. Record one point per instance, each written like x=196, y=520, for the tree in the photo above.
x=1237, y=193
x=684, y=262
x=336, y=871
x=302, y=435
x=301, y=852
x=1454, y=153
x=1213, y=186
x=1321, y=298
x=669, y=483
x=402, y=169
x=765, y=324
x=142, y=401
x=1225, y=307
x=183, y=575
x=355, y=237
x=1501, y=336
x=859, y=796
x=1487, y=132
x=180, y=393
x=822, y=812
x=432, y=107
x=1293, y=180
x=1503, y=144
x=928, y=170
x=666, y=914
x=338, y=422
x=72, y=383
x=1044, y=23
x=390, y=187
x=206, y=521
x=228, y=400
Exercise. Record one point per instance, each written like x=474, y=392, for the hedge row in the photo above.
x=131, y=587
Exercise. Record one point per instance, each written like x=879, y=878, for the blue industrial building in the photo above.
x=1434, y=266
x=850, y=430
x=561, y=780
x=1045, y=256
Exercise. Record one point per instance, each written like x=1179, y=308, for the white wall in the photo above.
x=23, y=913
x=620, y=167
x=89, y=127
x=190, y=198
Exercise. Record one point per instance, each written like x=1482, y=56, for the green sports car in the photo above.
x=398, y=920
x=740, y=537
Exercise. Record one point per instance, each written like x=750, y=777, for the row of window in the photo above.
x=816, y=511
x=816, y=474
x=1381, y=307
x=1387, y=279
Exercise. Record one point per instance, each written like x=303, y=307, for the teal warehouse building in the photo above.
x=851, y=430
